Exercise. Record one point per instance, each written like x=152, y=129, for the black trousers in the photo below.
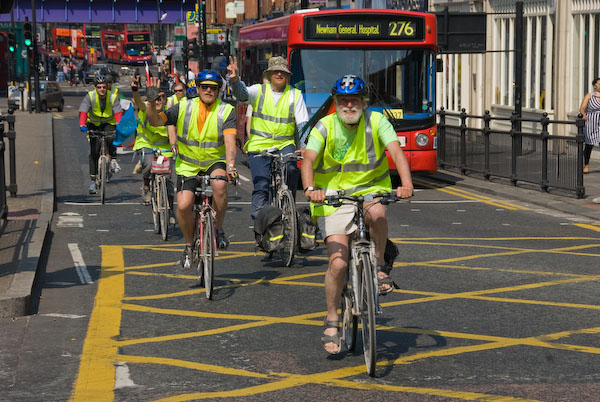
x=95, y=144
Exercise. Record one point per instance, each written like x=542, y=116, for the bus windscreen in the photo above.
x=401, y=81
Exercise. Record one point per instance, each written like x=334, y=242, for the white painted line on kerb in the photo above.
x=244, y=178
x=80, y=267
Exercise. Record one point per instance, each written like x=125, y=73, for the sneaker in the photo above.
x=146, y=196
x=186, y=258
x=172, y=220
x=114, y=166
x=222, y=240
x=138, y=168
x=92, y=188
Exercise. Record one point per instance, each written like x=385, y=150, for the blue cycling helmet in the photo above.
x=208, y=77
x=191, y=92
x=349, y=85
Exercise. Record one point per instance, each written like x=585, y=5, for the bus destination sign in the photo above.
x=364, y=28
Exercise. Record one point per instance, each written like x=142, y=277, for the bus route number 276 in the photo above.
x=404, y=29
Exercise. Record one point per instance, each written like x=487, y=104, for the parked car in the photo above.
x=51, y=96
x=104, y=69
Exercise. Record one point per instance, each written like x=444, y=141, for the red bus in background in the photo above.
x=65, y=37
x=393, y=51
x=126, y=46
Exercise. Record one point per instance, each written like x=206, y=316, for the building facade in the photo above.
x=561, y=58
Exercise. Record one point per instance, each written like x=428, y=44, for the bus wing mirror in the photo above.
x=439, y=65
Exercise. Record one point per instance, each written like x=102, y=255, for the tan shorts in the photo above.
x=339, y=222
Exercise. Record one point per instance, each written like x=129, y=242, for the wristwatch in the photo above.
x=309, y=188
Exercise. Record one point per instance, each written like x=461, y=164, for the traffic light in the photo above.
x=12, y=42
x=191, y=49
x=27, y=34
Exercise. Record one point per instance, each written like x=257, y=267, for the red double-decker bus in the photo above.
x=393, y=51
x=126, y=46
x=69, y=40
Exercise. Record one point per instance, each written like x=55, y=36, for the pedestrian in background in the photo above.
x=590, y=109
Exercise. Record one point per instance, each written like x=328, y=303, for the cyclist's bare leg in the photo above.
x=378, y=229
x=219, y=197
x=185, y=214
x=335, y=277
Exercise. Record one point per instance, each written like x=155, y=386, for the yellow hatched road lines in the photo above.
x=96, y=377
x=454, y=190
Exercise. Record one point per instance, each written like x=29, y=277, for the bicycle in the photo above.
x=361, y=281
x=204, y=246
x=104, y=159
x=160, y=171
x=281, y=196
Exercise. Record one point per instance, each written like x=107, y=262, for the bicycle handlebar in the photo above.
x=270, y=154
x=384, y=198
x=101, y=133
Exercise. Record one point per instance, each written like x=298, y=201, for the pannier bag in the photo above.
x=160, y=165
x=307, y=231
x=268, y=229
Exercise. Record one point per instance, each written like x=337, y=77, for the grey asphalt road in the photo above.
x=496, y=301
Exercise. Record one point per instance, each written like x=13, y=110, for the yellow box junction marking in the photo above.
x=96, y=377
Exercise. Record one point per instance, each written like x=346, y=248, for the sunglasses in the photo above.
x=207, y=87
x=100, y=86
x=179, y=90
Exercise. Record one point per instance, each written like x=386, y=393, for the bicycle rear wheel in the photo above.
x=155, y=214
x=285, y=201
x=163, y=207
x=208, y=253
x=367, y=314
x=349, y=320
x=102, y=172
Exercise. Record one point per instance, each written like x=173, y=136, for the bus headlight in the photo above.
x=422, y=139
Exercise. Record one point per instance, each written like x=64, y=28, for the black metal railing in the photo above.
x=535, y=156
x=12, y=187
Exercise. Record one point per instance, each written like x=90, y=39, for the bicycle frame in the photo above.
x=203, y=205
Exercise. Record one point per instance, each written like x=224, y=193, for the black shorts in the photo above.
x=190, y=183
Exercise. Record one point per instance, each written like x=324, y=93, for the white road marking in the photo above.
x=58, y=315
x=80, y=267
x=99, y=203
x=122, y=378
x=244, y=178
x=70, y=220
x=102, y=230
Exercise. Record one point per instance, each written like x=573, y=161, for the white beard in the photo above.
x=346, y=119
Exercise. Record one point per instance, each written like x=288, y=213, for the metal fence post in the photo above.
x=580, y=123
x=515, y=147
x=441, y=132
x=487, y=118
x=3, y=206
x=463, y=141
x=544, y=135
x=11, y=135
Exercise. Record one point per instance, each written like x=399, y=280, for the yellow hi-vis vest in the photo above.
x=198, y=151
x=173, y=100
x=96, y=116
x=272, y=126
x=148, y=136
x=364, y=169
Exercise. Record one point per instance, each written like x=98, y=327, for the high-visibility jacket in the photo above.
x=272, y=125
x=173, y=100
x=198, y=151
x=96, y=116
x=364, y=169
x=149, y=136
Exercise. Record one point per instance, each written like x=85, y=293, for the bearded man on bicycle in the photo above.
x=205, y=142
x=346, y=151
x=277, y=111
x=100, y=108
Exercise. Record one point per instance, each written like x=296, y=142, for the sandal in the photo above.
x=325, y=339
x=385, y=281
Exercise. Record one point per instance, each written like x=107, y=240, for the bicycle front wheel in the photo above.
x=349, y=320
x=290, y=232
x=102, y=172
x=208, y=253
x=163, y=207
x=155, y=214
x=367, y=314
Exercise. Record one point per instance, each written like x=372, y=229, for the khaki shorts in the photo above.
x=339, y=222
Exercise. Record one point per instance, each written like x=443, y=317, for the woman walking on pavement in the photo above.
x=590, y=109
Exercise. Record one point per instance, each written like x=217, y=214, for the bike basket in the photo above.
x=161, y=165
